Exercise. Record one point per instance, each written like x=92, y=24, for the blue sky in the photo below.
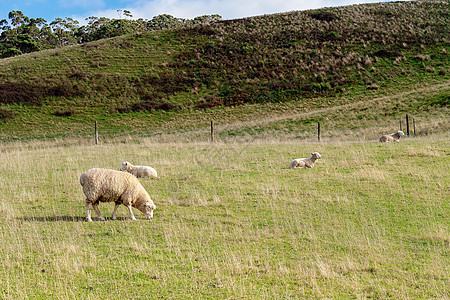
x=147, y=9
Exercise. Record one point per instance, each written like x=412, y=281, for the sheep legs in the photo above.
x=131, y=213
x=97, y=211
x=115, y=211
x=88, y=211
x=99, y=214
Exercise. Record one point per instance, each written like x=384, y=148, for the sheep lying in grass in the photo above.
x=104, y=185
x=303, y=163
x=138, y=171
x=394, y=137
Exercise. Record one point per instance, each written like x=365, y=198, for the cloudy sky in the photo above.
x=147, y=9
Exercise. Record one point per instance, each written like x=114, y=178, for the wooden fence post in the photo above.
x=212, y=131
x=414, y=126
x=318, y=131
x=407, y=125
x=400, y=123
x=96, y=133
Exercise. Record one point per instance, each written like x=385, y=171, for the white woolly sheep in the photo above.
x=104, y=185
x=303, y=163
x=138, y=171
x=394, y=137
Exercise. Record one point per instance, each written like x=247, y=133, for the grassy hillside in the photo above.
x=275, y=68
x=370, y=220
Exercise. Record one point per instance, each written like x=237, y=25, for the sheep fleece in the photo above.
x=110, y=185
x=138, y=171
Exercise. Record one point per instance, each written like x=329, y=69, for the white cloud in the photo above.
x=229, y=9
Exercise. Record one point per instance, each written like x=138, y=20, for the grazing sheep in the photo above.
x=305, y=162
x=138, y=171
x=394, y=137
x=104, y=185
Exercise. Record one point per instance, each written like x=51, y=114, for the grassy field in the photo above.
x=369, y=221
x=369, y=64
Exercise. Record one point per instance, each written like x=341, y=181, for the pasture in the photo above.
x=370, y=220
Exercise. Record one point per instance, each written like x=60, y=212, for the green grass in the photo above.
x=263, y=68
x=370, y=220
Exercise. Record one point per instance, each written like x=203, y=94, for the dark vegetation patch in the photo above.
x=11, y=92
x=168, y=82
x=6, y=114
x=64, y=113
x=208, y=102
x=155, y=105
x=123, y=110
x=24, y=93
x=388, y=53
x=324, y=16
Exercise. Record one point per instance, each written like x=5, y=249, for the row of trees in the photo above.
x=22, y=34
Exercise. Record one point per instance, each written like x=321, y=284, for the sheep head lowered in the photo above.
x=146, y=207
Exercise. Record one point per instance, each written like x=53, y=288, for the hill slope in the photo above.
x=266, y=66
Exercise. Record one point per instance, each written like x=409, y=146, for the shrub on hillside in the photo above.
x=16, y=92
x=324, y=16
x=155, y=105
x=13, y=92
x=387, y=53
x=208, y=102
x=6, y=114
x=121, y=110
x=64, y=113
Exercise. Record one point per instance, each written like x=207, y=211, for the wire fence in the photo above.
x=210, y=132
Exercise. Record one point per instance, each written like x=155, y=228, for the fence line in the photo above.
x=96, y=133
x=318, y=131
x=407, y=125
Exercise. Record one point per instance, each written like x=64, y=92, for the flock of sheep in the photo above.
x=123, y=187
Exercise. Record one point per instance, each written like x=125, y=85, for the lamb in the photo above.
x=303, y=163
x=138, y=171
x=394, y=137
x=104, y=185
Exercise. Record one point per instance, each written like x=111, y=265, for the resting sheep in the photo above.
x=394, y=137
x=138, y=171
x=104, y=185
x=303, y=163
